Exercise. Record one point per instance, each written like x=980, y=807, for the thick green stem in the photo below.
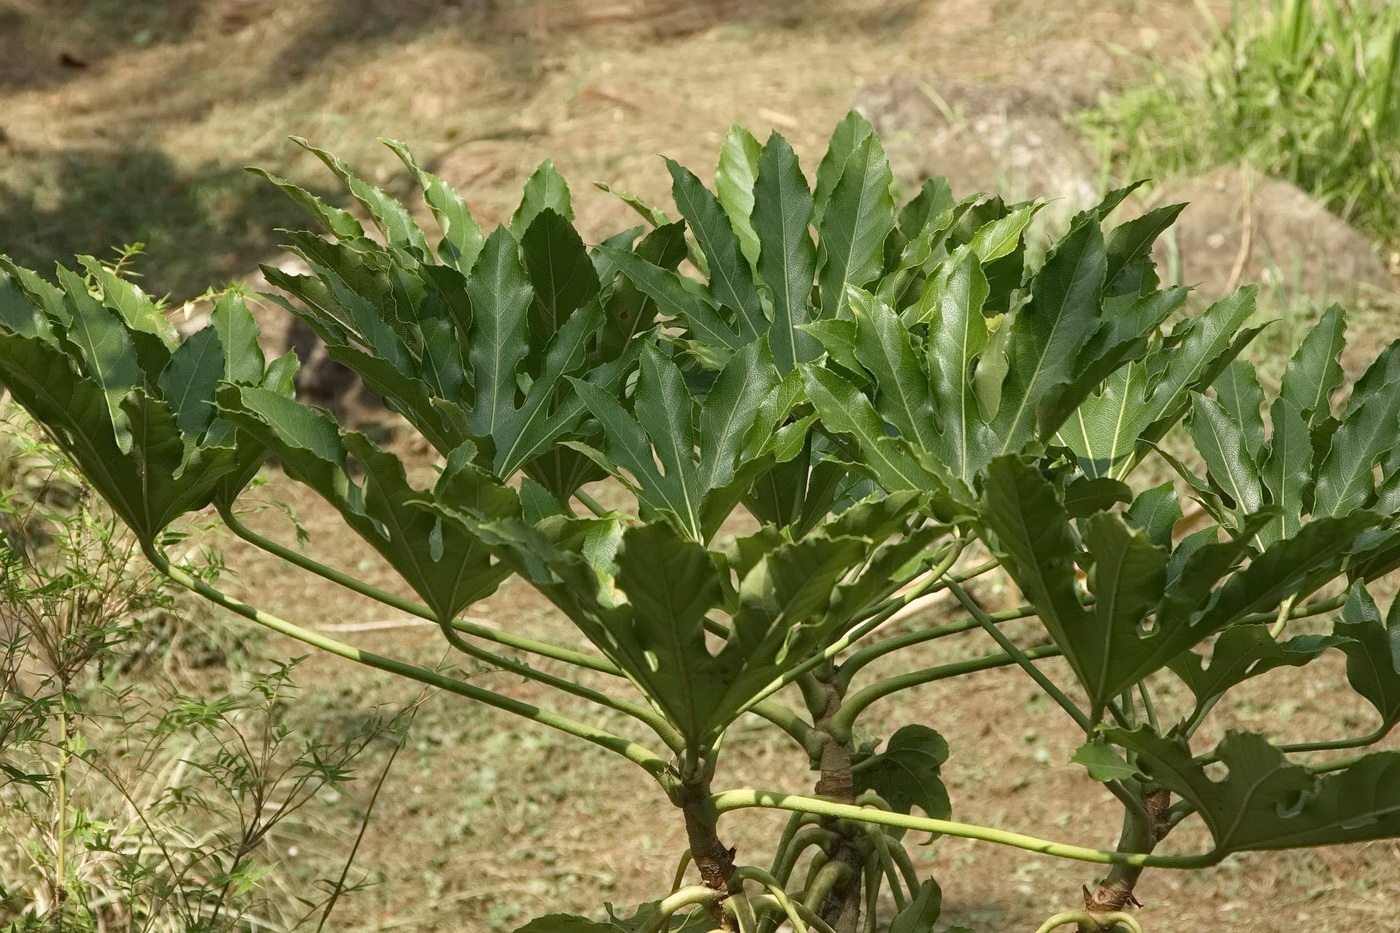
x=788, y=855
x=774, y=713
x=1336, y=745
x=860, y=658
x=298, y=559
x=856, y=633
x=712, y=858
x=640, y=755
x=856, y=703
x=692, y=896
x=848, y=846
x=1143, y=827
x=591, y=503
x=725, y=801
x=1045, y=683
x=658, y=724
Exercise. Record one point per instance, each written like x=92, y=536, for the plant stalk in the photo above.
x=639, y=755
x=728, y=800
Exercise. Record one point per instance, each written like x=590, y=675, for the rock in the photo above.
x=1005, y=139
x=1241, y=227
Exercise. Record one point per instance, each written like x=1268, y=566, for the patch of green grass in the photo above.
x=1307, y=90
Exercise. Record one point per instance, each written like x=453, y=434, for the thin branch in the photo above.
x=640, y=755
x=856, y=703
x=1007, y=645
x=730, y=800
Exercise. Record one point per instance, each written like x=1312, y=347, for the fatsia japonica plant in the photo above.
x=888, y=400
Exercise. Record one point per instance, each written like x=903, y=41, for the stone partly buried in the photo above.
x=1017, y=140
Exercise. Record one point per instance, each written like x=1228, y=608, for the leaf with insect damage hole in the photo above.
x=1267, y=802
x=905, y=774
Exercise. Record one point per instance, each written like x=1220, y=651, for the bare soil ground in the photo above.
x=130, y=121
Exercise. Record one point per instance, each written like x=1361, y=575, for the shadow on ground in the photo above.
x=45, y=42
x=199, y=228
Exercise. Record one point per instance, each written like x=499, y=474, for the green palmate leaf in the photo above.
x=27, y=302
x=1129, y=248
x=692, y=479
x=1124, y=335
x=1126, y=575
x=1369, y=430
x=670, y=584
x=1131, y=579
x=854, y=225
x=682, y=297
x=1315, y=372
x=501, y=298
x=1005, y=276
x=1141, y=401
x=483, y=357
x=902, y=395
x=545, y=190
x=630, y=310
x=1052, y=328
x=956, y=339
x=1030, y=532
x=1297, y=566
x=926, y=227
x=1032, y=535
x=1223, y=445
x=1286, y=470
x=1103, y=762
x=238, y=336
x=446, y=566
x=920, y=914
x=850, y=134
x=391, y=217
x=1156, y=511
x=734, y=185
x=784, y=607
x=561, y=274
x=462, y=238
x=846, y=411
x=46, y=381
x=654, y=216
x=188, y=381
x=160, y=475
x=131, y=304
x=1265, y=802
x=731, y=276
x=1237, y=390
x=1372, y=648
x=1083, y=497
x=934, y=198
x=162, y=453
x=340, y=223
x=1242, y=652
x=1002, y=237
x=945, y=397
x=97, y=336
x=787, y=259
x=906, y=773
